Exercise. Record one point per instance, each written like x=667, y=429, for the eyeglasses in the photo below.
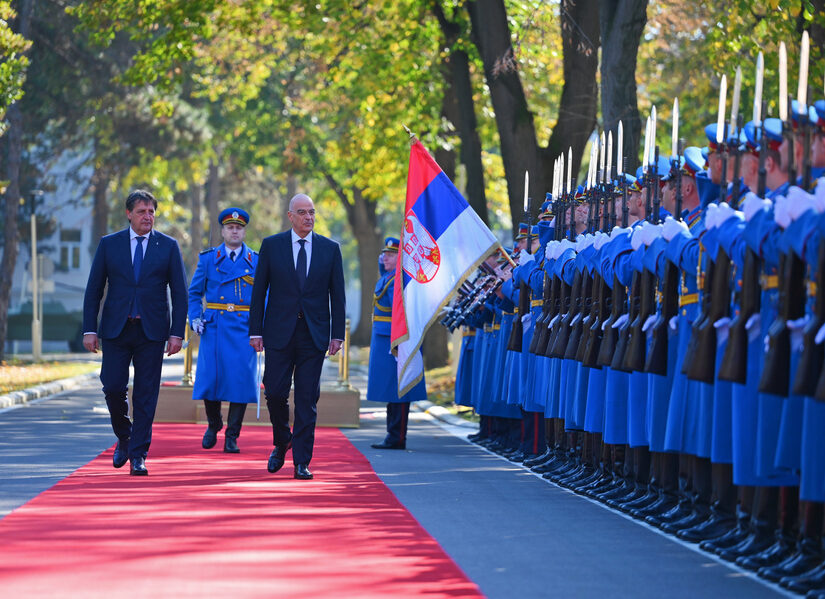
x=303, y=212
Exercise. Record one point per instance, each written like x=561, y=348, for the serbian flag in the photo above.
x=442, y=243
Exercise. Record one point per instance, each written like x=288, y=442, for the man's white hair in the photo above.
x=298, y=197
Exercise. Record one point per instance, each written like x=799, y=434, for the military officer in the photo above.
x=219, y=298
x=382, y=381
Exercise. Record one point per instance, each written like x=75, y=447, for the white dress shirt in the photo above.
x=133, y=242
x=296, y=247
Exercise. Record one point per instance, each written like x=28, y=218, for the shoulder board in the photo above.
x=207, y=250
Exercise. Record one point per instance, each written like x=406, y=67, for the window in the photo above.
x=70, y=249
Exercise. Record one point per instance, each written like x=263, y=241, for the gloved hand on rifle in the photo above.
x=782, y=212
x=524, y=258
x=672, y=228
x=711, y=213
x=725, y=213
x=650, y=233
x=601, y=240
x=636, y=238
x=800, y=201
x=753, y=204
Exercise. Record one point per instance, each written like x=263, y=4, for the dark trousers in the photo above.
x=533, y=440
x=397, y=416
x=132, y=347
x=215, y=419
x=302, y=361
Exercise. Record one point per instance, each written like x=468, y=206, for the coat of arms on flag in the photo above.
x=443, y=241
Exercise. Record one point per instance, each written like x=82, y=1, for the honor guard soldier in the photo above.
x=227, y=364
x=382, y=380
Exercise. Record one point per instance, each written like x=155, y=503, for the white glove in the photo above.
x=620, y=321
x=754, y=327
x=524, y=258
x=636, y=238
x=618, y=232
x=753, y=204
x=672, y=228
x=819, y=194
x=197, y=326
x=799, y=202
x=674, y=323
x=552, y=322
x=576, y=319
x=565, y=245
x=726, y=213
x=649, y=322
x=549, y=249
x=781, y=211
x=553, y=222
x=601, y=240
x=527, y=320
x=722, y=327
x=651, y=233
x=797, y=328
x=710, y=215
x=820, y=335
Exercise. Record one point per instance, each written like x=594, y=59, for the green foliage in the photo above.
x=13, y=62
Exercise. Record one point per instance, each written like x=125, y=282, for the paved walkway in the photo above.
x=513, y=533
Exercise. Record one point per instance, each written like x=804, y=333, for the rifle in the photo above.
x=618, y=296
x=517, y=333
x=600, y=305
x=813, y=355
x=634, y=358
x=585, y=298
x=656, y=362
x=734, y=366
x=776, y=372
x=539, y=341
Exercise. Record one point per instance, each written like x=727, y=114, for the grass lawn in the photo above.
x=17, y=375
x=441, y=391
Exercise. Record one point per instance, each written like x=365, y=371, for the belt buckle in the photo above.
x=230, y=307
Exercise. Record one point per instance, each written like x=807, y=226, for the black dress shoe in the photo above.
x=539, y=459
x=230, y=445
x=782, y=548
x=811, y=581
x=385, y=445
x=716, y=526
x=120, y=457
x=210, y=437
x=762, y=536
x=807, y=557
x=138, y=467
x=302, y=472
x=276, y=458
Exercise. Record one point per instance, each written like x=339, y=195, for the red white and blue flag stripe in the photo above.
x=442, y=243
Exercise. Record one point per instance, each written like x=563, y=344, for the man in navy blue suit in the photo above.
x=135, y=267
x=297, y=313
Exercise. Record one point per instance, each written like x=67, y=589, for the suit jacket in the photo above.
x=322, y=299
x=162, y=267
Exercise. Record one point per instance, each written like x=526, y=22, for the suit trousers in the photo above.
x=132, y=346
x=303, y=361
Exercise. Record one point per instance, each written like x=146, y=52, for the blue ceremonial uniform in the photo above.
x=226, y=369
x=382, y=378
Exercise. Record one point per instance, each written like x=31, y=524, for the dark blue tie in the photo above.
x=137, y=261
x=301, y=264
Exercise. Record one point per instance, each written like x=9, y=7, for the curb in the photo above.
x=442, y=414
x=18, y=398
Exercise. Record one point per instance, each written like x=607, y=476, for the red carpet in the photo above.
x=209, y=524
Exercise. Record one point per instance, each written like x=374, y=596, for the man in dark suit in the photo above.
x=135, y=267
x=300, y=319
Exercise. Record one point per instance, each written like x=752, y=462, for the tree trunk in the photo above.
x=196, y=226
x=459, y=108
x=213, y=194
x=817, y=31
x=100, y=205
x=622, y=23
x=516, y=131
x=14, y=139
x=579, y=96
x=577, y=110
x=362, y=220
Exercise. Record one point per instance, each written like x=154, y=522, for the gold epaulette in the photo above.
x=248, y=279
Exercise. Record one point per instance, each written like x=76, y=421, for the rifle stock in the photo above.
x=702, y=366
x=656, y=362
x=563, y=324
x=634, y=301
x=734, y=366
x=610, y=336
x=813, y=354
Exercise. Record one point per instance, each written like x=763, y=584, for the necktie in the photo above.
x=232, y=255
x=301, y=264
x=137, y=262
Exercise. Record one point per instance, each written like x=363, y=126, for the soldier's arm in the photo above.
x=197, y=288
